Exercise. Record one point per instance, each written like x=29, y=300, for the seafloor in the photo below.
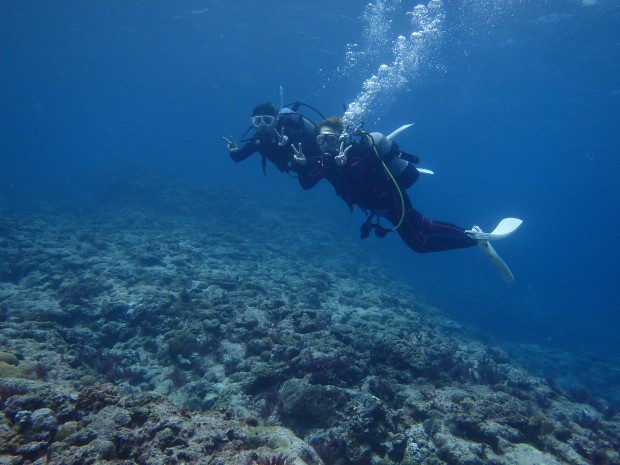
x=153, y=324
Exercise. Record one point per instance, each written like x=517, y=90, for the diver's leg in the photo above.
x=424, y=235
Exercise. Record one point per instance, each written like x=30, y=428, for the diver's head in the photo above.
x=329, y=132
x=264, y=117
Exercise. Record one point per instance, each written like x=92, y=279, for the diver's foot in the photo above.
x=476, y=233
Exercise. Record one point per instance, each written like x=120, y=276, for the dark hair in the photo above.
x=265, y=109
x=333, y=122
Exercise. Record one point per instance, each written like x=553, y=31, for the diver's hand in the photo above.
x=282, y=139
x=298, y=155
x=341, y=158
x=230, y=144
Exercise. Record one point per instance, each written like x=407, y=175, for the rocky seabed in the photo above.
x=197, y=326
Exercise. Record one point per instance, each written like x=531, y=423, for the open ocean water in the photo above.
x=516, y=106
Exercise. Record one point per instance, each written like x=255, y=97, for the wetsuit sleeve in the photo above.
x=310, y=175
x=244, y=152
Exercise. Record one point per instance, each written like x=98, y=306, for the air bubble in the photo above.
x=409, y=56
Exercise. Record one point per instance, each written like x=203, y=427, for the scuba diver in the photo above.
x=370, y=171
x=283, y=137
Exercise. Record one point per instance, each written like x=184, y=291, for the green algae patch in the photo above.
x=21, y=371
x=9, y=358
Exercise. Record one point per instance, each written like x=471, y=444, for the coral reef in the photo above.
x=152, y=331
x=100, y=425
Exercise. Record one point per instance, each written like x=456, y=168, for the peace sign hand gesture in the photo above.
x=230, y=144
x=282, y=139
x=341, y=158
x=298, y=155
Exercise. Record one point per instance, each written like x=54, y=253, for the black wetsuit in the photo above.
x=363, y=181
x=296, y=128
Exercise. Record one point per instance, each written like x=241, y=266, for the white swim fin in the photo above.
x=497, y=261
x=392, y=135
x=504, y=229
x=395, y=133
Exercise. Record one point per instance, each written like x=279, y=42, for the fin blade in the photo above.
x=392, y=135
x=505, y=228
x=497, y=261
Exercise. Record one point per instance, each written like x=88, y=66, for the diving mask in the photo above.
x=262, y=120
x=327, y=139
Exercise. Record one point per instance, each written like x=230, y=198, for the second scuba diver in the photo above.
x=283, y=137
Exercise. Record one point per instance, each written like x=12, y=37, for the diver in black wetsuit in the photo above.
x=373, y=173
x=283, y=137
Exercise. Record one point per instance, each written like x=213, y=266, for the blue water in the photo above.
x=517, y=111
